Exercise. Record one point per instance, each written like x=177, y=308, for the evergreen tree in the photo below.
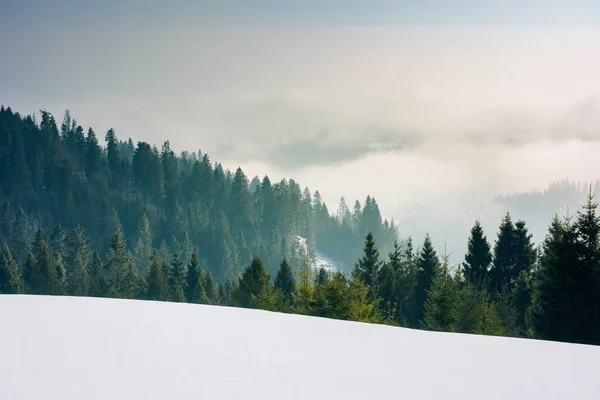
x=285, y=281
x=304, y=299
x=42, y=269
x=504, y=263
x=254, y=279
x=441, y=305
x=98, y=286
x=157, y=280
x=142, y=253
x=11, y=281
x=428, y=267
x=478, y=257
x=122, y=273
x=77, y=261
x=176, y=278
x=368, y=265
x=588, y=284
x=194, y=288
x=212, y=291
x=361, y=306
x=557, y=308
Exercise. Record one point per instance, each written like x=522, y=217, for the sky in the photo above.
x=427, y=105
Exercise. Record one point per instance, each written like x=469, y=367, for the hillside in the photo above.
x=86, y=348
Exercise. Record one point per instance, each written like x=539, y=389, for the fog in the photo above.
x=432, y=118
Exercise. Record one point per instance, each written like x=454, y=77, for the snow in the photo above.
x=86, y=348
x=322, y=260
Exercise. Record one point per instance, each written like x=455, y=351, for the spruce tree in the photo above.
x=304, y=299
x=588, y=284
x=157, y=280
x=254, y=279
x=440, y=311
x=42, y=268
x=11, y=281
x=428, y=267
x=557, y=308
x=176, y=278
x=77, y=263
x=525, y=252
x=192, y=279
x=285, y=281
x=478, y=257
x=211, y=289
x=504, y=264
x=122, y=273
x=98, y=285
x=368, y=265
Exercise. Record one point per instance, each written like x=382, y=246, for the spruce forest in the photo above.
x=89, y=215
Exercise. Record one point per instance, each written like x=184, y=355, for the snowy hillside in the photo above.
x=85, y=348
x=322, y=260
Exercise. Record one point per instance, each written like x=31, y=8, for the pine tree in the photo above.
x=77, y=261
x=440, y=311
x=588, y=284
x=525, y=252
x=504, y=263
x=98, y=286
x=212, y=291
x=122, y=273
x=254, y=279
x=285, y=281
x=557, y=308
x=304, y=299
x=361, y=306
x=176, y=278
x=428, y=267
x=142, y=253
x=11, y=281
x=157, y=281
x=478, y=257
x=368, y=265
x=192, y=279
x=41, y=269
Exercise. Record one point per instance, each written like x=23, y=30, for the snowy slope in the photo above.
x=322, y=260
x=84, y=348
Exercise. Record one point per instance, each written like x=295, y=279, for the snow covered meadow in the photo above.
x=72, y=348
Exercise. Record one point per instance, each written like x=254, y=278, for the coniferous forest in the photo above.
x=85, y=214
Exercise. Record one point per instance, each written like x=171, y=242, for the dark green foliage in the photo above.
x=43, y=269
x=98, y=285
x=78, y=257
x=428, y=267
x=210, y=287
x=121, y=271
x=11, y=281
x=253, y=281
x=176, y=277
x=441, y=306
x=285, y=281
x=157, y=280
x=478, y=257
x=94, y=201
x=504, y=257
x=367, y=267
x=194, y=287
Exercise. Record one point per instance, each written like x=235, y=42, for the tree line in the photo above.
x=509, y=288
x=63, y=175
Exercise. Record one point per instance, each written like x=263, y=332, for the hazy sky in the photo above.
x=410, y=101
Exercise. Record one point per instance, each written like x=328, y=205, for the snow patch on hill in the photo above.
x=71, y=348
x=322, y=260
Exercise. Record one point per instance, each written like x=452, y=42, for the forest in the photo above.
x=132, y=221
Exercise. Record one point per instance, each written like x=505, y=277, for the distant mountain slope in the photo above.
x=86, y=348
